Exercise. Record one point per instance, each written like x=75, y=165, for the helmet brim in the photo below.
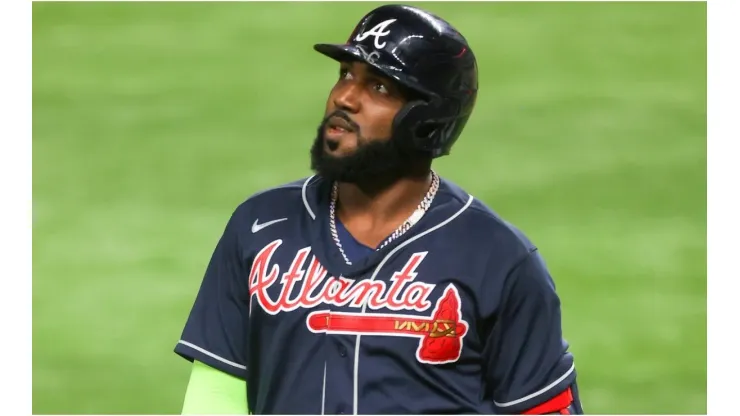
x=339, y=53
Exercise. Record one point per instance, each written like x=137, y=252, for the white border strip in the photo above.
x=212, y=355
x=305, y=200
x=539, y=392
x=20, y=335
x=323, y=391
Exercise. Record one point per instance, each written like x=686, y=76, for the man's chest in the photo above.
x=414, y=295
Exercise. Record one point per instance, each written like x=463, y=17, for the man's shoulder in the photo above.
x=484, y=226
x=282, y=198
x=291, y=190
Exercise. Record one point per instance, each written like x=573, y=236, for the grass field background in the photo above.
x=151, y=122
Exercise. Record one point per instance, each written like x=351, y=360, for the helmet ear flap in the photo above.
x=416, y=125
x=409, y=117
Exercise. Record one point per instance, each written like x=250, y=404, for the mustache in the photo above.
x=344, y=116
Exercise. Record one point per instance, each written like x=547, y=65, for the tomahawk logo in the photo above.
x=306, y=284
x=378, y=32
x=440, y=335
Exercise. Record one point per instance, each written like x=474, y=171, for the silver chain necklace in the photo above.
x=405, y=226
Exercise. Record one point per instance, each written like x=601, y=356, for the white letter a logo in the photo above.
x=377, y=32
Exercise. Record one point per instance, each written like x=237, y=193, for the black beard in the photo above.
x=375, y=164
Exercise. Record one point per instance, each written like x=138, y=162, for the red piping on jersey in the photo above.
x=558, y=404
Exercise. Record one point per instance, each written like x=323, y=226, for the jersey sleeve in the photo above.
x=529, y=367
x=217, y=328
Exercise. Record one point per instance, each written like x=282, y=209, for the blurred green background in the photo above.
x=152, y=121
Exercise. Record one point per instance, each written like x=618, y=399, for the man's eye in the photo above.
x=381, y=88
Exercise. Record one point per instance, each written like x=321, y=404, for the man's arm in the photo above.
x=212, y=391
x=216, y=334
x=529, y=367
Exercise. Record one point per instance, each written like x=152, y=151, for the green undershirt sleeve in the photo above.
x=211, y=391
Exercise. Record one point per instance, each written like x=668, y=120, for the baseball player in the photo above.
x=376, y=286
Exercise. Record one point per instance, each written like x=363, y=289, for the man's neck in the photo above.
x=370, y=215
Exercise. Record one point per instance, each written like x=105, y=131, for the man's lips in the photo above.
x=340, y=125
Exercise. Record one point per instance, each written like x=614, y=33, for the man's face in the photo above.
x=354, y=143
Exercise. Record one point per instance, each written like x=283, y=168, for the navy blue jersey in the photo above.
x=459, y=315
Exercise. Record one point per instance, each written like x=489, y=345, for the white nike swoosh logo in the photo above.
x=256, y=227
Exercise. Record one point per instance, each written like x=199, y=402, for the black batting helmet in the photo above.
x=426, y=54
